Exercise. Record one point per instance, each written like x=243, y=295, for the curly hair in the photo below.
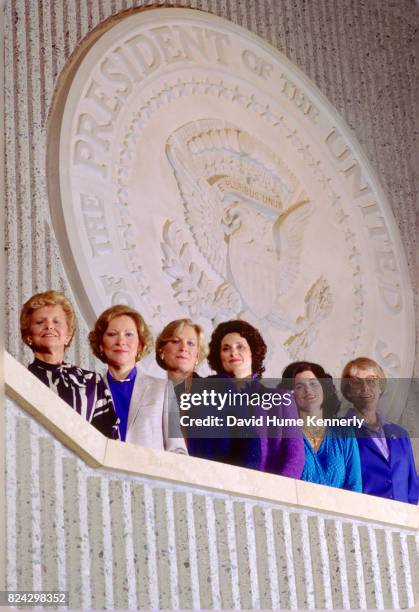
x=245, y=330
x=171, y=330
x=46, y=298
x=351, y=369
x=101, y=325
x=331, y=401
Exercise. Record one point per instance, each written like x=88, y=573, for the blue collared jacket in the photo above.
x=395, y=478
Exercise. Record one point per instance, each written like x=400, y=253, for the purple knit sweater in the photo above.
x=282, y=448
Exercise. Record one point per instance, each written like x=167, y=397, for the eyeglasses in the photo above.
x=359, y=383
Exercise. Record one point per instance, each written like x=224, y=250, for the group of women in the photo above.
x=129, y=405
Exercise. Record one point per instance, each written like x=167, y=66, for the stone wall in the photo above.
x=360, y=54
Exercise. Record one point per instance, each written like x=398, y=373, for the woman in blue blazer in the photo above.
x=387, y=462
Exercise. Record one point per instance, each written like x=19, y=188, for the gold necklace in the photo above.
x=314, y=436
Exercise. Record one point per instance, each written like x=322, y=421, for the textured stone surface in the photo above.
x=217, y=188
x=118, y=541
x=74, y=432
x=361, y=55
x=350, y=49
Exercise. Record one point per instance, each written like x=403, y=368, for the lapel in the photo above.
x=368, y=441
x=392, y=442
x=141, y=385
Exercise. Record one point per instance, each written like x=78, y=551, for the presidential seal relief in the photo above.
x=202, y=174
x=247, y=214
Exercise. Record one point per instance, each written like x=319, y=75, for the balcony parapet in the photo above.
x=147, y=528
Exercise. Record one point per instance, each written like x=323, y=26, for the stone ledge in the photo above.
x=97, y=451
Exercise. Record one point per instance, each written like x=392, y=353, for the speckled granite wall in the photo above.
x=119, y=541
x=360, y=53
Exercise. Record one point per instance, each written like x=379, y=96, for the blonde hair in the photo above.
x=171, y=330
x=101, y=325
x=46, y=298
x=351, y=369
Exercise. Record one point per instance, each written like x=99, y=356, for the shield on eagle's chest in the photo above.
x=254, y=269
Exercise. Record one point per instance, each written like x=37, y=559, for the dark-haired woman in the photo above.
x=237, y=352
x=331, y=453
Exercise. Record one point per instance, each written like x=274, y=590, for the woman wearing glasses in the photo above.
x=387, y=462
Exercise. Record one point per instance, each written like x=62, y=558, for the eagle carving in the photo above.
x=244, y=208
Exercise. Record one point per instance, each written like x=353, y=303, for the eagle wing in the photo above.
x=203, y=210
x=288, y=231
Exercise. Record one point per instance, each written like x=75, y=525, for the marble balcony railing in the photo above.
x=119, y=526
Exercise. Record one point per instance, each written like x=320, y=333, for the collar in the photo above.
x=380, y=421
x=49, y=366
x=128, y=378
x=379, y=428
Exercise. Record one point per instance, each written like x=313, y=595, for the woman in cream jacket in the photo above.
x=120, y=339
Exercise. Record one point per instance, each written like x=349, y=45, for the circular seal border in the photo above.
x=99, y=39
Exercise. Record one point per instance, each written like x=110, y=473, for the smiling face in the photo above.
x=180, y=353
x=49, y=332
x=365, y=389
x=236, y=356
x=121, y=344
x=308, y=393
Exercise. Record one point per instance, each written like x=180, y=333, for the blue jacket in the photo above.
x=395, y=478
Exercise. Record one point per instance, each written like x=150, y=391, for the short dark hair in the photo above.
x=331, y=401
x=245, y=330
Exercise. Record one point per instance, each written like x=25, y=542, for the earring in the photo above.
x=29, y=341
x=162, y=356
